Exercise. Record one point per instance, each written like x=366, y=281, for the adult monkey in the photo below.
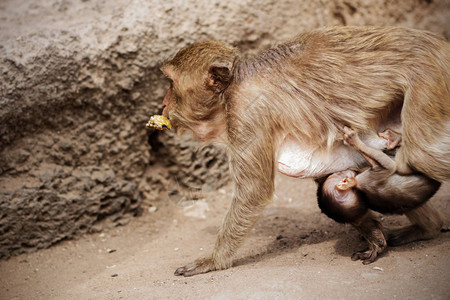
x=284, y=109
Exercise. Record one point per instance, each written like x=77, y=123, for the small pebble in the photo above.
x=114, y=275
x=378, y=268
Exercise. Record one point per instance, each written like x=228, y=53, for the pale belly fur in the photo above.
x=303, y=161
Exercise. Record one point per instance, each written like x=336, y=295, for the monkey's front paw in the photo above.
x=202, y=265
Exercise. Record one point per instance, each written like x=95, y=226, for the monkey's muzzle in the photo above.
x=159, y=122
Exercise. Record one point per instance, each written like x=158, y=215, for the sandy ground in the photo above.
x=294, y=251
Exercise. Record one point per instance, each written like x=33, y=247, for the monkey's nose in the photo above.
x=165, y=113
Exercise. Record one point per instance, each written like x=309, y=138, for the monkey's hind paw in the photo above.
x=200, y=266
x=393, y=139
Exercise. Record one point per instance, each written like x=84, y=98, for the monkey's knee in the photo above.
x=342, y=209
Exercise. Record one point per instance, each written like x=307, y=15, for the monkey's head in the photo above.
x=339, y=198
x=199, y=76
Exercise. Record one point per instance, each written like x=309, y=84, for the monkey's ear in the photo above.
x=219, y=78
x=346, y=183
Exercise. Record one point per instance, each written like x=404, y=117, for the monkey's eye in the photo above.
x=169, y=80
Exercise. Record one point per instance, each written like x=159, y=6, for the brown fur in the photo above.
x=309, y=88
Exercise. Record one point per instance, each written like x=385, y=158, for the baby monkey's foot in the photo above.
x=393, y=139
x=350, y=136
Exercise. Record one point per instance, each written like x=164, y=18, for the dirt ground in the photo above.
x=294, y=251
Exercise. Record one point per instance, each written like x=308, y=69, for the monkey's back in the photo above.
x=415, y=65
x=354, y=76
x=397, y=193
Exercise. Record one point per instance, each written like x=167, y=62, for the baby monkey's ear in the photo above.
x=346, y=183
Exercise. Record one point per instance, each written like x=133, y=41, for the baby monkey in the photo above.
x=348, y=197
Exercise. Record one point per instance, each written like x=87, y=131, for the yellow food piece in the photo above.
x=159, y=122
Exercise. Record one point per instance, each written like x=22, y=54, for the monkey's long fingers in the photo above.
x=372, y=257
x=360, y=255
x=367, y=257
x=393, y=139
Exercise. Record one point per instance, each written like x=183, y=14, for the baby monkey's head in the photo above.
x=339, y=198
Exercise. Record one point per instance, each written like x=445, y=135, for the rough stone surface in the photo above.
x=78, y=80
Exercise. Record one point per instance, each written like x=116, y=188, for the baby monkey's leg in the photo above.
x=369, y=226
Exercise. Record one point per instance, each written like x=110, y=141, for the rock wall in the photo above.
x=79, y=79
